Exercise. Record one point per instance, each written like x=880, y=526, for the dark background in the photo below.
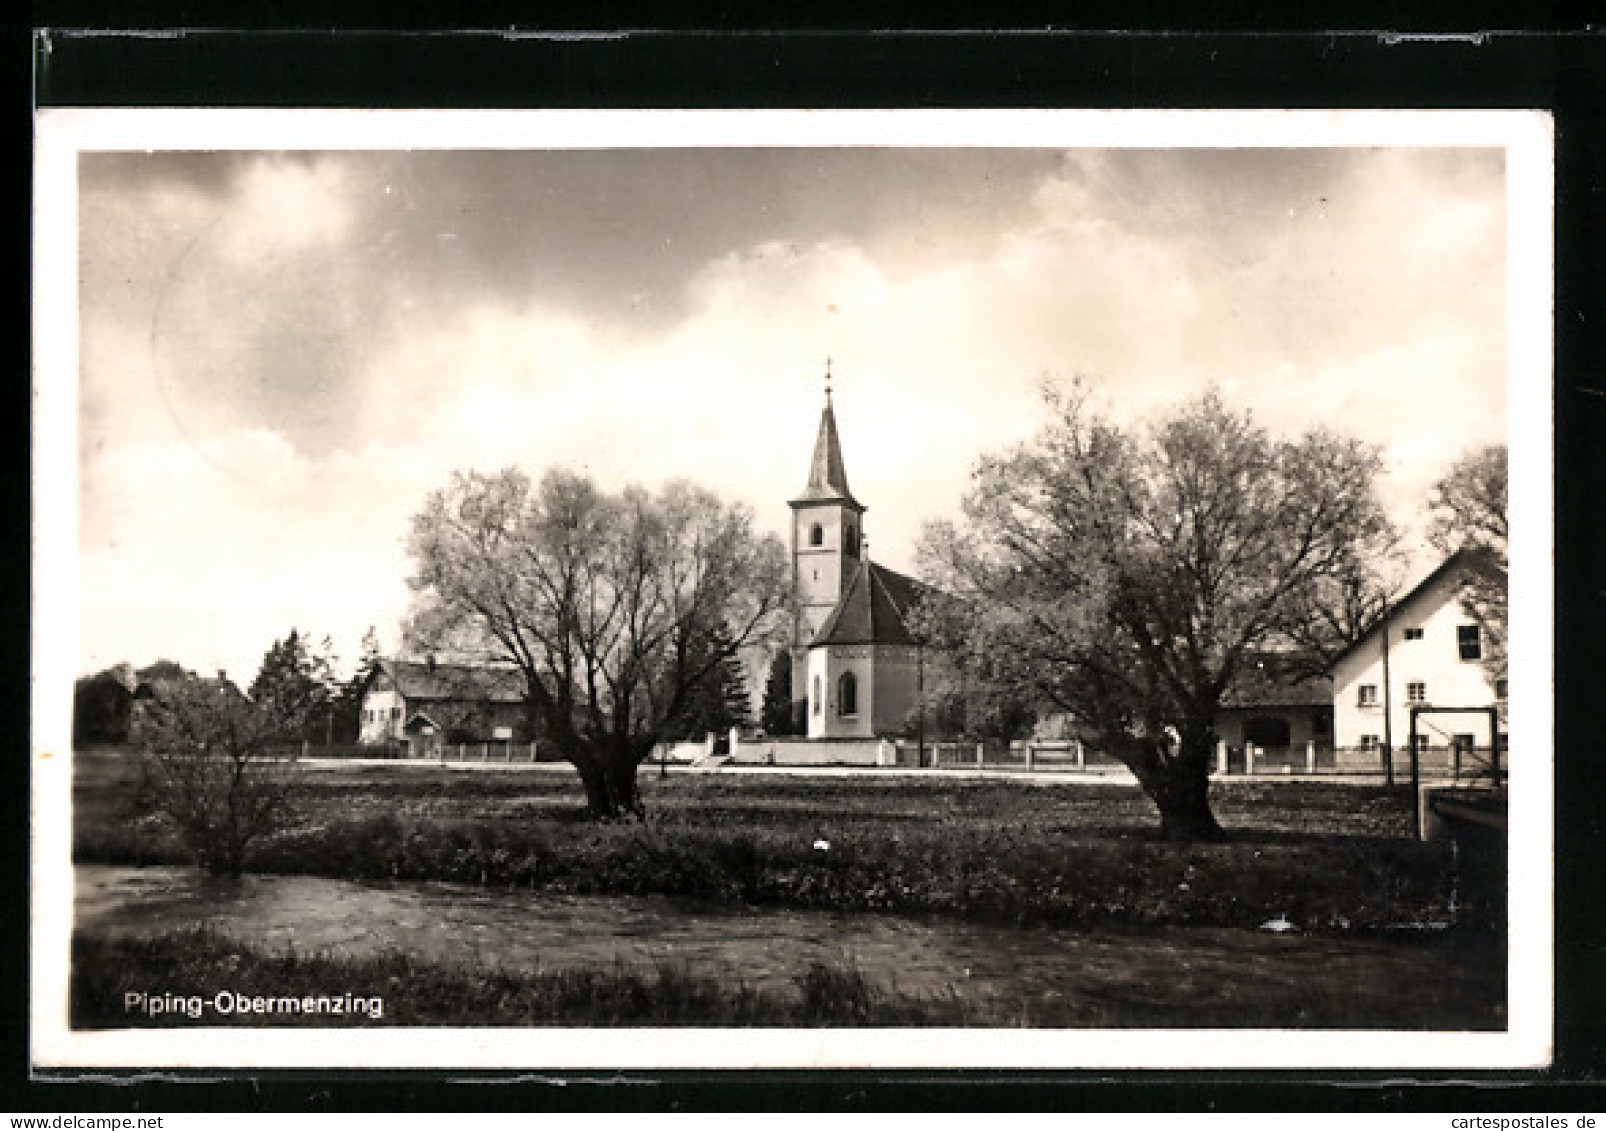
x=390, y=56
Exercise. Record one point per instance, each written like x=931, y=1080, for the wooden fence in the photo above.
x=1443, y=763
x=495, y=751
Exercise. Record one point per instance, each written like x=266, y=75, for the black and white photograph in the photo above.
x=996, y=589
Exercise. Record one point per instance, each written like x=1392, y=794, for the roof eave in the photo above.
x=815, y=500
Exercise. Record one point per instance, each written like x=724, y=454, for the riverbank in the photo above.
x=1323, y=857
x=282, y=950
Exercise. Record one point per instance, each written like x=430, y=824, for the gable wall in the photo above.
x=1433, y=660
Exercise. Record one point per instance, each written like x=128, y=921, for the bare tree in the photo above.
x=217, y=765
x=1127, y=576
x=1342, y=607
x=1468, y=510
x=613, y=607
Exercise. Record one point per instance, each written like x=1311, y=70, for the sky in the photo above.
x=282, y=353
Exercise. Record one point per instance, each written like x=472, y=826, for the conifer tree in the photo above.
x=775, y=714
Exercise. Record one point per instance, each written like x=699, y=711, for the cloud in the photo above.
x=282, y=356
x=207, y=554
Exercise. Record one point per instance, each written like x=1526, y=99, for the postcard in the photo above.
x=823, y=589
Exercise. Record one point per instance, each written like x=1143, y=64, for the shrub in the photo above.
x=210, y=767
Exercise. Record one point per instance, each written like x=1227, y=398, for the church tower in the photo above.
x=826, y=538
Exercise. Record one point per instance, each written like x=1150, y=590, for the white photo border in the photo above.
x=63, y=134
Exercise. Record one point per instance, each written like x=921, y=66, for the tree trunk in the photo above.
x=610, y=784
x=1180, y=789
x=1183, y=798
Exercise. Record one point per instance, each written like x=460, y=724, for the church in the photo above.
x=856, y=667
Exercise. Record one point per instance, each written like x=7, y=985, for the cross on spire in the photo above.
x=828, y=480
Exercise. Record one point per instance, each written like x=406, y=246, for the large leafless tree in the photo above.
x=614, y=607
x=1128, y=575
x=1469, y=512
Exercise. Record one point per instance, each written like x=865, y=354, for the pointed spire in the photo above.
x=828, y=477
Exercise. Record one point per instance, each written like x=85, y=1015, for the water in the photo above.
x=525, y=931
x=998, y=970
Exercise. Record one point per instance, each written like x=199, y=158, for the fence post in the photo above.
x=1494, y=746
x=1310, y=756
x=1249, y=758
x=1081, y=754
x=981, y=753
x=1030, y=752
x=1221, y=756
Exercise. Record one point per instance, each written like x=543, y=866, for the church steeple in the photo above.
x=827, y=523
x=828, y=477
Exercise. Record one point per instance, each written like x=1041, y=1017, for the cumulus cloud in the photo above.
x=282, y=355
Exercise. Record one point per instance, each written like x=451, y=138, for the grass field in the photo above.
x=1326, y=856
x=1337, y=861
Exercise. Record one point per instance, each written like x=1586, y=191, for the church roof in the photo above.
x=828, y=477
x=873, y=610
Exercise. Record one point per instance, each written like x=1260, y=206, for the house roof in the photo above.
x=1274, y=681
x=873, y=610
x=828, y=476
x=419, y=679
x=1466, y=559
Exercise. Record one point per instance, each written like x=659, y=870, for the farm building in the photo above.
x=1427, y=653
x=1277, y=715
x=423, y=703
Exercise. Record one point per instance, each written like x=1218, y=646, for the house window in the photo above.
x=850, y=539
x=816, y=535
x=847, y=690
x=1369, y=742
x=1421, y=741
x=816, y=695
x=1366, y=695
x=1500, y=688
x=395, y=713
x=1413, y=634
x=1416, y=692
x=1467, y=639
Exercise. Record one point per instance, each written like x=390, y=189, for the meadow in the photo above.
x=1331, y=861
x=1323, y=855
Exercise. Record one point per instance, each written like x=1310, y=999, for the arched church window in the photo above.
x=816, y=535
x=847, y=699
x=816, y=695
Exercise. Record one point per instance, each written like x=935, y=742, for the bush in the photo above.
x=209, y=769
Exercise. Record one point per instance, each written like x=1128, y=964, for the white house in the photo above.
x=421, y=703
x=1427, y=653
